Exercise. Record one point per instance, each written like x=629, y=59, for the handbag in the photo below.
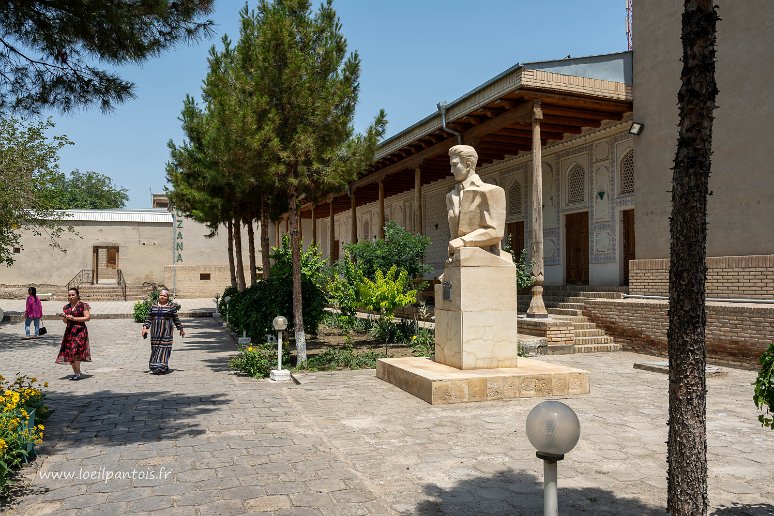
x=42, y=330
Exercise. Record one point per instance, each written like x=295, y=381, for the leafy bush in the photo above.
x=18, y=400
x=258, y=361
x=254, y=309
x=423, y=342
x=344, y=357
x=343, y=285
x=523, y=266
x=399, y=247
x=764, y=388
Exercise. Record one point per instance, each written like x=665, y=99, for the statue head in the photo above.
x=463, y=159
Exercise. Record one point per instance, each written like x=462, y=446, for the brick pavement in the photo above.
x=347, y=443
x=14, y=308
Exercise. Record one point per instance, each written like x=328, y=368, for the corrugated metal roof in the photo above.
x=149, y=216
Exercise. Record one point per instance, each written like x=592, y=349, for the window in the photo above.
x=627, y=174
x=514, y=199
x=204, y=276
x=576, y=185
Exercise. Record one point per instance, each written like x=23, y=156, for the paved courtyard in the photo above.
x=347, y=443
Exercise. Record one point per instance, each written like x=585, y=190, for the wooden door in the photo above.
x=577, y=238
x=628, y=243
x=516, y=232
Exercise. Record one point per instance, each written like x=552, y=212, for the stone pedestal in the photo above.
x=280, y=375
x=475, y=311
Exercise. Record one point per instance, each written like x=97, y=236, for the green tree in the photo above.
x=687, y=441
x=47, y=47
x=310, y=84
x=398, y=247
x=28, y=168
x=87, y=191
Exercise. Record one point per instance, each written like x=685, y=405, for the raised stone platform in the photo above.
x=441, y=384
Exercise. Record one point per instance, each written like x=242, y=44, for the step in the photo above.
x=588, y=333
x=579, y=341
x=596, y=348
x=569, y=318
x=572, y=306
x=587, y=288
x=582, y=326
x=565, y=311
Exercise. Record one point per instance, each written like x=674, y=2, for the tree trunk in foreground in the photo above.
x=240, y=268
x=231, y=269
x=298, y=307
x=687, y=443
x=265, y=263
x=251, y=250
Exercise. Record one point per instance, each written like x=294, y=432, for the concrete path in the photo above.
x=14, y=308
x=347, y=443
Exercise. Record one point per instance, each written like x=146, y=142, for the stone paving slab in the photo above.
x=14, y=309
x=348, y=443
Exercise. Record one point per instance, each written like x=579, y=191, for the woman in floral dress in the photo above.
x=161, y=321
x=75, y=343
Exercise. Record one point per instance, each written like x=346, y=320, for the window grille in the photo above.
x=627, y=173
x=576, y=185
x=514, y=199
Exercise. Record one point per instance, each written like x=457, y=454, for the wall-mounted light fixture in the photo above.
x=636, y=128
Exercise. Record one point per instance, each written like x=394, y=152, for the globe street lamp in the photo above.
x=279, y=375
x=553, y=429
x=227, y=299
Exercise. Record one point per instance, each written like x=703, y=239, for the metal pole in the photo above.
x=550, y=499
x=279, y=350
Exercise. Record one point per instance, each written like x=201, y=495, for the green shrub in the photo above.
x=399, y=247
x=343, y=285
x=19, y=401
x=254, y=309
x=523, y=266
x=764, y=388
x=345, y=357
x=258, y=361
x=423, y=342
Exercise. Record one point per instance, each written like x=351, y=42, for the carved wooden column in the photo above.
x=314, y=226
x=353, y=209
x=536, y=307
x=381, y=209
x=331, y=232
x=418, y=201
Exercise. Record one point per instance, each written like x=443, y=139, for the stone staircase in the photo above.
x=106, y=292
x=565, y=303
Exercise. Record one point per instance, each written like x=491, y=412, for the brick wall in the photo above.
x=750, y=277
x=737, y=334
x=191, y=285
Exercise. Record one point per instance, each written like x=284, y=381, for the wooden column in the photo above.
x=381, y=210
x=300, y=229
x=331, y=232
x=353, y=209
x=287, y=224
x=314, y=227
x=277, y=234
x=537, y=308
x=418, y=201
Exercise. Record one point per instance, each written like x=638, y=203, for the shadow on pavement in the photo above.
x=110, y=418
x=522, y=494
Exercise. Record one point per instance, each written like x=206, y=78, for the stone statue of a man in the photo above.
x=476, y=210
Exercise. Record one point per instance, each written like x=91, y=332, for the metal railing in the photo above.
x=121, y=282
x=85, y=276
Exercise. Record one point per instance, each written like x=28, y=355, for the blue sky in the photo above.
x=414, y=54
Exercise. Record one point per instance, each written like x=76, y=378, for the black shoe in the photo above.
x=75, y=377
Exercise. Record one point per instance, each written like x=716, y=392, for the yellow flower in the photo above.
x=45, y=384
x=3, y=446
x=249, y=348
x=24, y=414
x=40, y=427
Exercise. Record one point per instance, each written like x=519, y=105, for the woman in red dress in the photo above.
x=75, y=343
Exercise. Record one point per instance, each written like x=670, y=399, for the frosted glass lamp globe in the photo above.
x=553, y=428
x=280, y=323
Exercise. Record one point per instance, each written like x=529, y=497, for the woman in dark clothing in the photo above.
x=160, y=323
x=75, y=343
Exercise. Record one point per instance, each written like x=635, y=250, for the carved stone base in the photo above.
x=537, y=309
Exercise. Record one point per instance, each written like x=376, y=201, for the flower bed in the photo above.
x=23, y=412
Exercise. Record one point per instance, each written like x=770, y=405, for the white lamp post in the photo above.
x=227, y=299
x=553, y=429
x=279, y=374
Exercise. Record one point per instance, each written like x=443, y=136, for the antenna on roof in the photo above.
x=628, y=24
